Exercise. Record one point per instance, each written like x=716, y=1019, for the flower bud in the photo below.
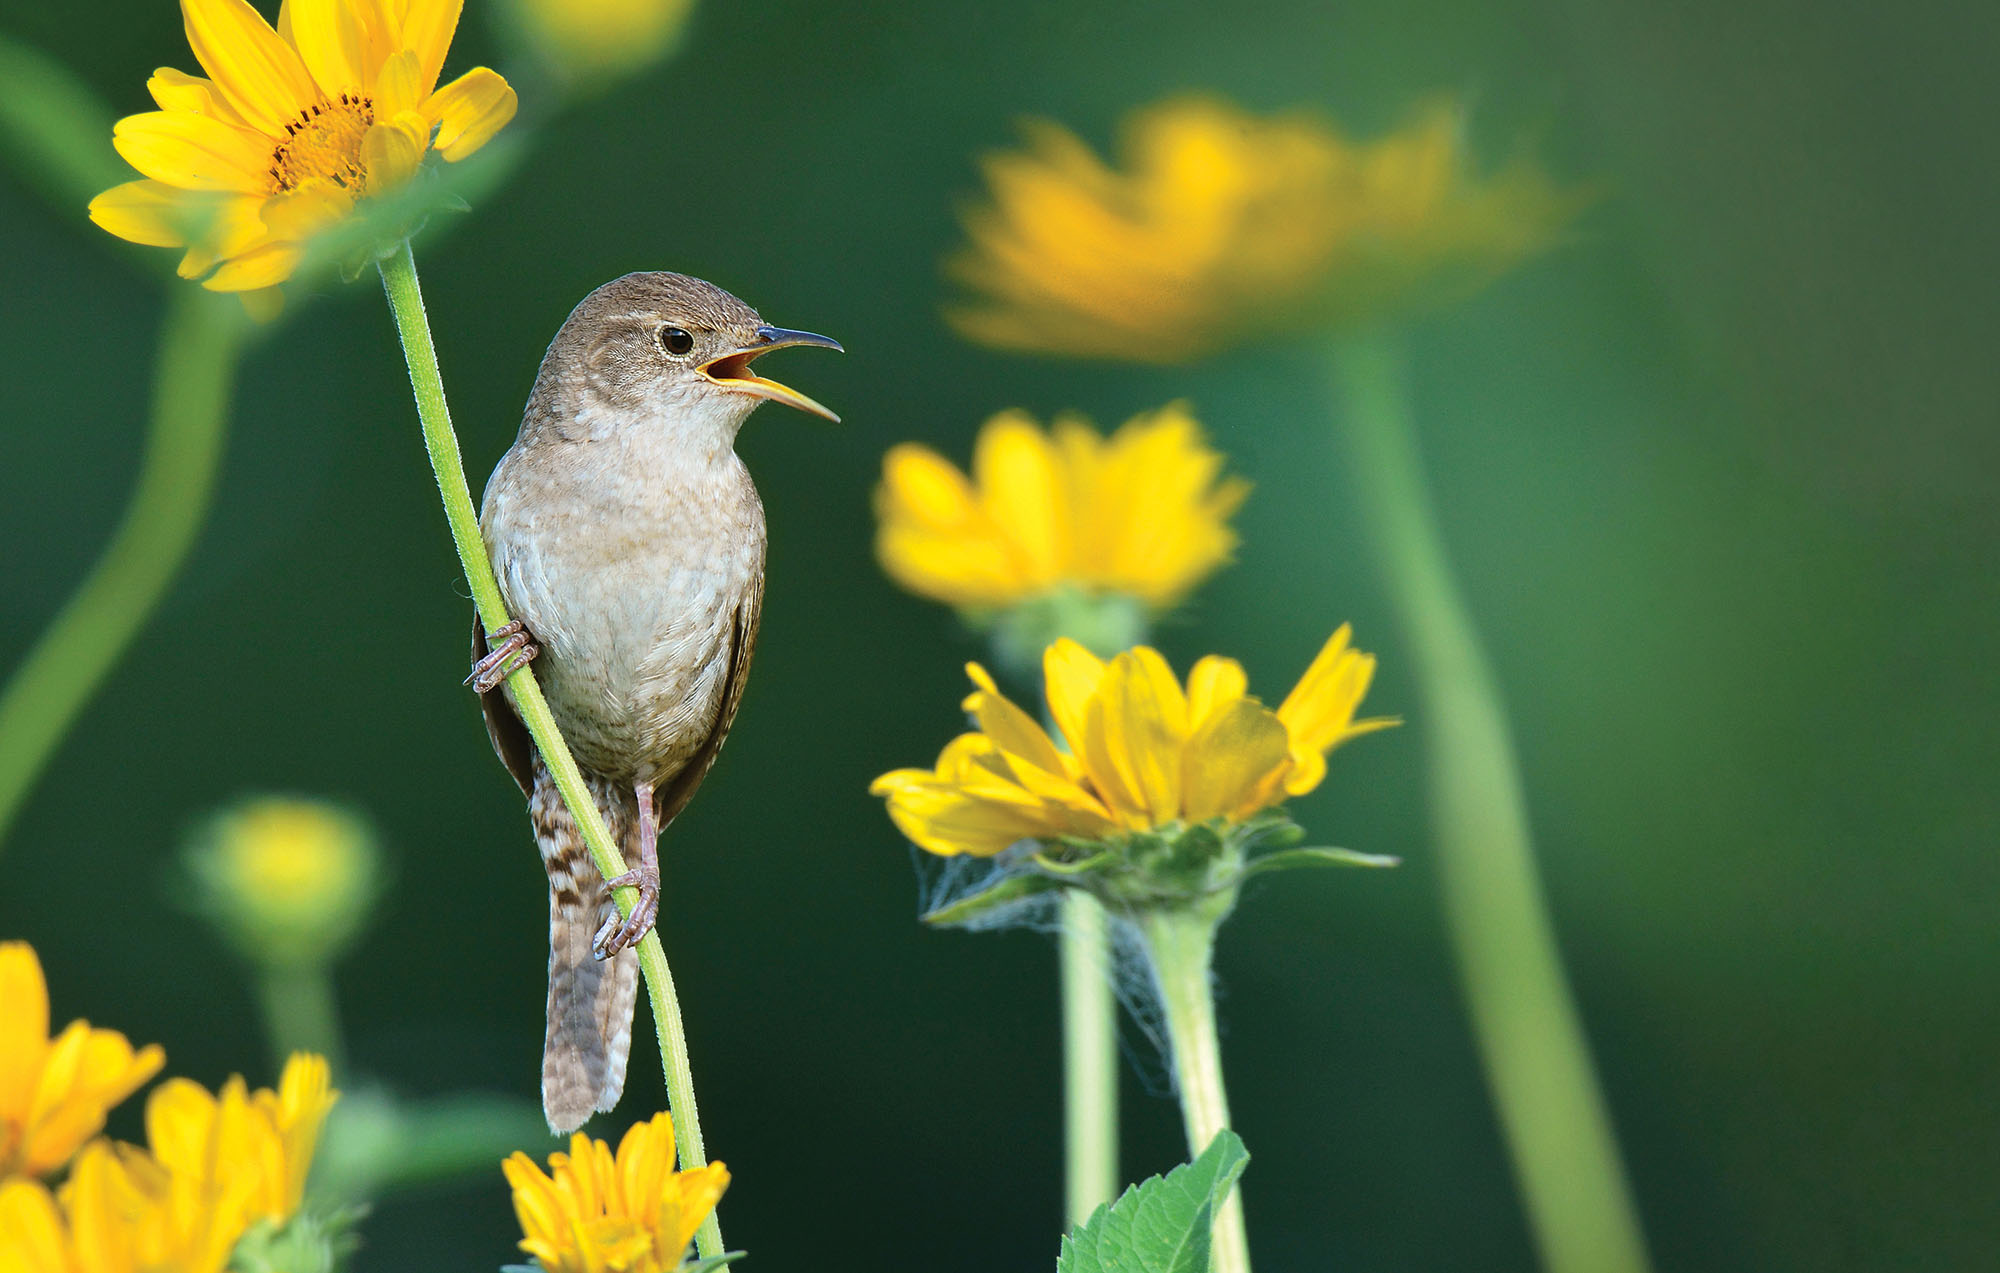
x=288, y=881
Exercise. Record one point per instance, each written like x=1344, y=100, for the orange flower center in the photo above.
x=324, y=144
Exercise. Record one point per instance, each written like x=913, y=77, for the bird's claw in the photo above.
x=509, y=649
x=616, y=934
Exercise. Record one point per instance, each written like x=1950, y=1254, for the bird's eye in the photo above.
x=675, y=341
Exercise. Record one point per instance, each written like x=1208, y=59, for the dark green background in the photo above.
x=1719, y=475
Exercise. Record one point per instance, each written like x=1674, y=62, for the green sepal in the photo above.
x=1292, y=859
x=1008, y=890
x=1161, y=1225
x=712, y=1263
x=1097, y=861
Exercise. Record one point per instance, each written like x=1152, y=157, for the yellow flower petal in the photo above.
x=146, y=212
x=259, y=74
x=428, y=26
x=469, y=110
x=331, y=43
x=1319, y=712
x=391, y=153
x=396, y=89
x=1233, y=762
x=24, y=1037
x=1133, y=735
x=194, y=152
x=1213, y=686
x=1070, y=675
x=261, y=267
x=178, y=91
x=32, y=1236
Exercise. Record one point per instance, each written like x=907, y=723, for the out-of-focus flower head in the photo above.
x=291, y=129
x=1220, y=226
x=215, y=1166
x=1062, y=531
x=55, y=1091
x=594, y=1211
x=1145, y=753
x=288, y=881
x=592, y=44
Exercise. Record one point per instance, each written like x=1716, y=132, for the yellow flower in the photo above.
x=1221, y=226
x=288, y=880
x=1141, y=513
x=595, y=41
x=1145, y=753
x=216, y=1165
x=595, y=1213
x=340, y=102
x=54, y=1092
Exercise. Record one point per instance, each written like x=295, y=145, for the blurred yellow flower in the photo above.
x=54, y=1092
x=594, y=41
x=596, y=1213
x=1141, y=513
x=340, y=102
x=288, y=880
x=1144, y=752
x=1221, y=226
x=217, y=1164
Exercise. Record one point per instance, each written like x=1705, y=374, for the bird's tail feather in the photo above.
x=590, y=1000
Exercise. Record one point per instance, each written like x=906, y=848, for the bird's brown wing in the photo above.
x=675, y=793
x=510, y=737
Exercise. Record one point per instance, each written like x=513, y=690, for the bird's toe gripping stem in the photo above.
x=618, y=935
x=508, y=650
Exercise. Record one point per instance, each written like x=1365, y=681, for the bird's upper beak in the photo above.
x=732, y=371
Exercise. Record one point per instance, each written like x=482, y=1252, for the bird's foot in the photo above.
x=508, y=651
x=617, y=935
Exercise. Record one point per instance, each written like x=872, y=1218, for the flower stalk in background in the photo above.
x=55, y=1090
x=1221, y=228
x=594, y=1211
x=1065, y=533
x=292, y=128
x=1164, y=801
x=288, y=883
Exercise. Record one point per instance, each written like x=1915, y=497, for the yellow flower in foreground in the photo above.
x=54, y=1092
x=591, y=41
x=293, y=126
x=1141, y=513
x=1221, y=225
x=288, y=880
x=596, y=1213
x=217, y=1164
x=1145, y=752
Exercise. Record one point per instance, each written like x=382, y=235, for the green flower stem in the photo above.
x=200, y=338
x=300, y=1013
x=1090, y=1057
x=1537, y=1059
x=406, y=303
x=1181, y=943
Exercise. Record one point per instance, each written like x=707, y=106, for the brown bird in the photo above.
x=629, y=544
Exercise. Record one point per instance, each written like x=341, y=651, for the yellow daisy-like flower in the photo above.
x=594, y=1212
x=1145, y=752
x=216, y=1164
x=54, y=1092
x=294, y=125
x=1221, y=225
x=1143, y=513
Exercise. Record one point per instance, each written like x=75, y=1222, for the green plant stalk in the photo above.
x=201, y=335
x=1090, y=1057
x=1530, y=1036
x=406, y=304
x=301, y=1014
x=1181, y=944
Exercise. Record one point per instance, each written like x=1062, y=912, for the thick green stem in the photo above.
x=406, y=303
x=1090, y=1057
x=1181, y=944
x=1537, y=1059
x=301, y=1015
x=200, y=338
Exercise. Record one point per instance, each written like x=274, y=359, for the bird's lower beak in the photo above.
x=732, y=371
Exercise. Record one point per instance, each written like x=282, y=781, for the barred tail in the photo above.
x=590, y=1000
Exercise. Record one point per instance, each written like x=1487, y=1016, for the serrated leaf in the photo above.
x=1293, y=859
x=1011, y=889
x=1161, y=1225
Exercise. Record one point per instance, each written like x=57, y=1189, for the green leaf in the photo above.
x=712, y=1263
x=1292, y=859
x=1161, y=1225
x=1010, y=889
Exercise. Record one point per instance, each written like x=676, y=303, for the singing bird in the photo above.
x=629, y=544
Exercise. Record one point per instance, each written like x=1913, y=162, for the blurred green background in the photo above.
x=1718, y=474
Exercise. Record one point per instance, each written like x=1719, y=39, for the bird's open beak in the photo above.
x=732, y=371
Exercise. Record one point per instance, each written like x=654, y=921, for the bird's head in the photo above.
x=667, y=343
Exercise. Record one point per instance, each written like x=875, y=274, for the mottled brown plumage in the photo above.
x=629, y=541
